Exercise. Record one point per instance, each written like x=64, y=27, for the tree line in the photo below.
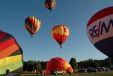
x=95, y=63
x=34, y=66
x=38, y=66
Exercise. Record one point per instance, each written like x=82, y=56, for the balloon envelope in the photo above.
x=50, y=4
x=11, y=55
x=60, y=64
x=100, y=31
x=32, y=24
x=60, y=33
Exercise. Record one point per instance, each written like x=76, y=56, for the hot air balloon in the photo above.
x=60, y=33
x=100, y=31
x=11, y=55
x=50, y=4
x=32, y=24
x=58, y=64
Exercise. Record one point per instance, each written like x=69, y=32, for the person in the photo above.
x=43, y=73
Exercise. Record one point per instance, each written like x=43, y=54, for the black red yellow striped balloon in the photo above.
x=32, y=24
x=11, y=55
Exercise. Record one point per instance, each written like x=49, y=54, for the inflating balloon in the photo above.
x=50, y=4
x=60, y=33
x=32, y=24
x=58, y=64
x=100, y=31
x=11, y=55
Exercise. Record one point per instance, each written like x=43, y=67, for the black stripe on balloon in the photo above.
x=20, y=48
x=6, y=37
x=28, y=24
x=17, y=52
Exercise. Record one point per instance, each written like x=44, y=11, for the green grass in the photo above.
x=108, y=73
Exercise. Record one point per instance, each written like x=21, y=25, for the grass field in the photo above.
x=108, y=73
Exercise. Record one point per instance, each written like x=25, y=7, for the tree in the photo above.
x=73, y=63
x=43, y=64
x=107, y=62
x=38, y=67
x=29, y=65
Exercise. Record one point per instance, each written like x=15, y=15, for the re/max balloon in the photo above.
x=60, y=33
x=32, y=24
x=11, y=55
x=100, y=31
x=50, y=4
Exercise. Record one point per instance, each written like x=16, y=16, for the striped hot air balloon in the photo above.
x=32, y=24
x=11, y=55
x=60, y=33
x=50, y=4
x=100, y=31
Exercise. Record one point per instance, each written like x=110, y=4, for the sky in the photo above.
x=73, y=13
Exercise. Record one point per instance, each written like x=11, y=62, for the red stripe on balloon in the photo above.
x=102, y=13
x=29, y=29
x=7, y=43
x=60, y=38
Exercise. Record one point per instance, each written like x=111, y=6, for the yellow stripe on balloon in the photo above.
x=12, y=67
x=60, y=30
x=10, y=60
x=66, y=65
x=38, y=23
x=15, y=66
x=66, y=31
x=15, y=58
